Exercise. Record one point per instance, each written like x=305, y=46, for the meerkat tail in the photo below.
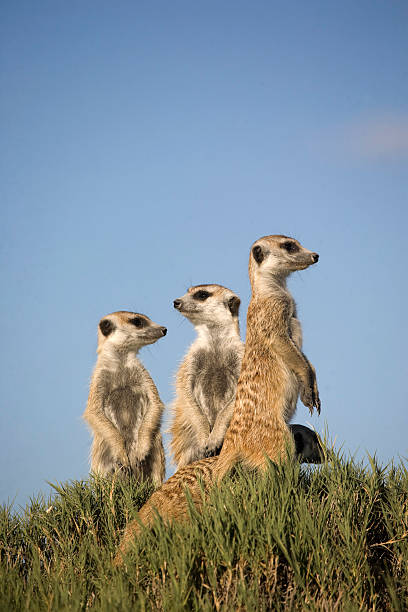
x=146, y=517
x=170, y=502
x=226, y=462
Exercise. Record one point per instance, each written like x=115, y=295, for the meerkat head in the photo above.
x=210, y=305
x=128, y=331
x=275, y=257
x=307, y=444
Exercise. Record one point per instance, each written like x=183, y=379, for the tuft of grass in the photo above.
x=328, y=538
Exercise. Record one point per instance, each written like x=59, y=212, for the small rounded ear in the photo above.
x=258, y=254
x=233, y=305
x=106, y=327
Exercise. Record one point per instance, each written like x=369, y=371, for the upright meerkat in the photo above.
x=207, y=378
x=124, y=408
x=273, y=368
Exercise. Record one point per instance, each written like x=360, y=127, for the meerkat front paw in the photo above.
x=316, y=399
x=213, y=446
x=125, y=470
x=123, y=459
x=142, y=450
x=212, y=451
x=307, y=397
x=140, y=457
x=139, y=466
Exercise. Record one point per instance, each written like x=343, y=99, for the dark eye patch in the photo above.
x=201, y=295
x=138, y=322
x=258, y=254
x=106, y=327
x=290, y=247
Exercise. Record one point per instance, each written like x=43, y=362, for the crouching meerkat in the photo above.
x=207, y=378
x=124, y=408
x=273, y=368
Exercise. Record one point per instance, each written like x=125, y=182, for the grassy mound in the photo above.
x=331, y=538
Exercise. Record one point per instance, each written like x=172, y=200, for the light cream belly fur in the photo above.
x=290, y=392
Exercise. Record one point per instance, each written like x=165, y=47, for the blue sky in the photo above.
x=145, y=147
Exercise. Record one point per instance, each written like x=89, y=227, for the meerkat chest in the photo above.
x=213, y=379
x=127, y=400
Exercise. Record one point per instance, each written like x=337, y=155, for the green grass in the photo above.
x=331, y=538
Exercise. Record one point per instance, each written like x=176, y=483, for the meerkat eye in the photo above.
x=290, y=247
x=258, y=254
x=201, y=295
x=106, y=327
x=137, y=322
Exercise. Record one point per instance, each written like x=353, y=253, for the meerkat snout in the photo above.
x=177, y=304
x=164, y=330
x=315, y=257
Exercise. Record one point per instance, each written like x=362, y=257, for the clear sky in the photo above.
x=146, y=145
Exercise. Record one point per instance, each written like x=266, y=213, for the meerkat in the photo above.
x=273, y=370
x=207, y=378
x=124, y=408
x=307, y=445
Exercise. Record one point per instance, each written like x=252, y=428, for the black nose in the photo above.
x=177, y=303
x=164, y=330
x=315, y=257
